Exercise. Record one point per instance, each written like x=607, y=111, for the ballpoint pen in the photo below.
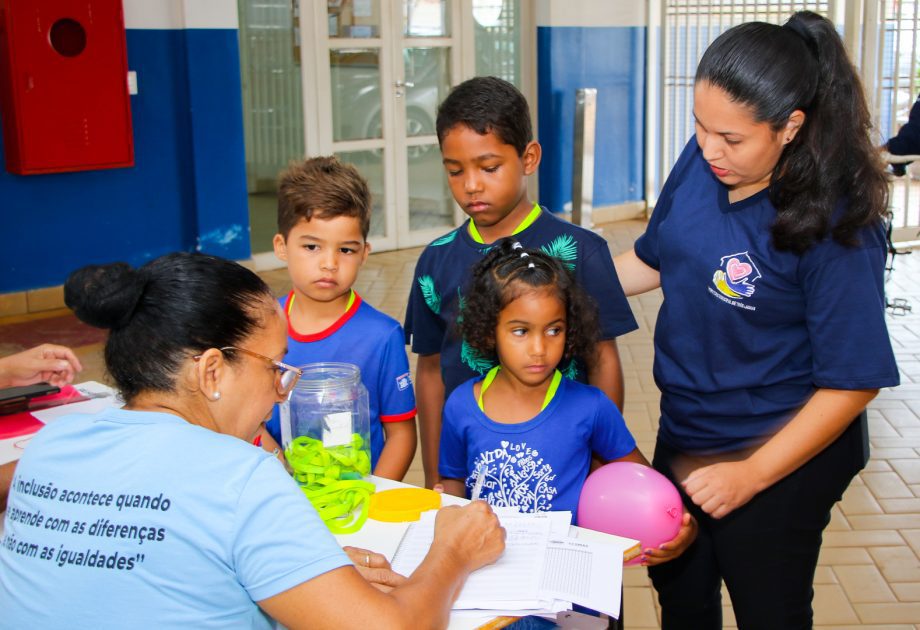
x=477, y=485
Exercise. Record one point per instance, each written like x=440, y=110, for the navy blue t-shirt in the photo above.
x=746, y=333
x=444, y=269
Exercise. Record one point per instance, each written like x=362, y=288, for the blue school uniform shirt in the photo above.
x=538, y=465
x=746, y=333
x=373, y=341
x=444, y=269
x=132, y=519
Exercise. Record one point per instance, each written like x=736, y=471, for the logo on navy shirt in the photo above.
x=403, y=382
x=734, y=279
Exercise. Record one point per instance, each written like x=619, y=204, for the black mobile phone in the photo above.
x=10, y=394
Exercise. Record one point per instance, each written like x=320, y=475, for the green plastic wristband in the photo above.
x=331, y=478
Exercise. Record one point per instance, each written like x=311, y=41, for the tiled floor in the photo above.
x=869, y=570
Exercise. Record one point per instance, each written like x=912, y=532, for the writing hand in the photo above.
x=472, y=533
x=722, y=488
x=674, y=547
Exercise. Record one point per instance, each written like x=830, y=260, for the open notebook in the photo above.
x=542, y=569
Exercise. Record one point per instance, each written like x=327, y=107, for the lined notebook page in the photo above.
x=515, y=577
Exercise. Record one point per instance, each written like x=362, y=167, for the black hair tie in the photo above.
x=804, y=34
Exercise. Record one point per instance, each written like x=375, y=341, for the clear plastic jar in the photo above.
x=326, y=436
x=329, y=405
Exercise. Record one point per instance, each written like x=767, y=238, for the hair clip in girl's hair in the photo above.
x=516, y=245
x=524, y=254
x=530, y=265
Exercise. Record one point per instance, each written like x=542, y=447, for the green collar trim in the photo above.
x=490, y=376
x=523, y=225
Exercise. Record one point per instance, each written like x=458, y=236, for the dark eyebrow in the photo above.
x=478, y=158
x=721, y=133
x=310, y=237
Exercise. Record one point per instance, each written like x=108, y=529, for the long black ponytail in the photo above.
x=803, y=65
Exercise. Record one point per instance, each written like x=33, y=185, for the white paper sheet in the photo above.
x=512, y=582
x=585, y=572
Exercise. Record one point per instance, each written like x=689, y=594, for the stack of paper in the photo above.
x=543, y=570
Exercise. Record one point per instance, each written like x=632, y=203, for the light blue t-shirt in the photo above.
x=137, y=519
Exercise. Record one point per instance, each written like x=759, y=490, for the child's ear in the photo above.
x=367, y=250
x=280, y=246
x=531, y=157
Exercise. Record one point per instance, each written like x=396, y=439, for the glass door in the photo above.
x=381, y=68
x=425, y=70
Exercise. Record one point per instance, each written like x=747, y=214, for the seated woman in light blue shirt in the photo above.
x=163, y=514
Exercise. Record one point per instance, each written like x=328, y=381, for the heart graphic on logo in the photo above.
x=737, y=270
x=504, y=443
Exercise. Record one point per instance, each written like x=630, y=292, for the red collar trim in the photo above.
x=296, y=336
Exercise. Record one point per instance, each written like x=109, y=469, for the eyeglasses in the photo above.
x=286, y=376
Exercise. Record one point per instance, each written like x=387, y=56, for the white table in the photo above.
x=384, y=537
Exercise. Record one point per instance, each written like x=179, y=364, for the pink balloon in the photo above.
x=631, y=500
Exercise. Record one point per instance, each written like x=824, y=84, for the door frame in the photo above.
x=317, y=99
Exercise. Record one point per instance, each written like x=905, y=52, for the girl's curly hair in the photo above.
x=509, y=271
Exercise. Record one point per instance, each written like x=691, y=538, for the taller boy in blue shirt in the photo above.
x=488, y=151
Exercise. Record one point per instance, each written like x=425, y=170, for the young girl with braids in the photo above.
x=768, y=245
x=525, y=430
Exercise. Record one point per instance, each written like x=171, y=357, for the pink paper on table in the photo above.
x=19, y=424
x=24, y=423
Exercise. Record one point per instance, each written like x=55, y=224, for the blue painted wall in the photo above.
x=185, y=192
x=611, y=59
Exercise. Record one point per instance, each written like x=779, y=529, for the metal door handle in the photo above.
x=401, y=84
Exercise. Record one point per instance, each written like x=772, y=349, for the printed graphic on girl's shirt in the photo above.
x=736, y=276
x=516, y=475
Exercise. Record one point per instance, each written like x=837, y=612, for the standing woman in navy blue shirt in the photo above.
x=768, y=246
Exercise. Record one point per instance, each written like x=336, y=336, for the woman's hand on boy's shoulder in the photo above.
x=674, y=547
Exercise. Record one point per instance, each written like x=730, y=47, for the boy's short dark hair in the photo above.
x=323, y=187
x=487, y=104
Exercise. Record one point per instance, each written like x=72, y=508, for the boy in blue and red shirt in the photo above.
x=323, y=219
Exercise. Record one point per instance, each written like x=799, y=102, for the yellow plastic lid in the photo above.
x=403, y=504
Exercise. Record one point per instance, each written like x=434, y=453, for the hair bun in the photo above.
x=104, y=296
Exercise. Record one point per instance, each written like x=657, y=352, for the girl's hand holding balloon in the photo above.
x=674, y=547
x=636, y=501
x=722, y=488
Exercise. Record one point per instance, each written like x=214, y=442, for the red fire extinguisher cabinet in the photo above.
x=63, y=86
